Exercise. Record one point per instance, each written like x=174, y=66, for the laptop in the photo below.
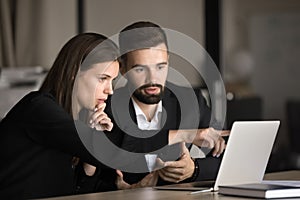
x=245, y=158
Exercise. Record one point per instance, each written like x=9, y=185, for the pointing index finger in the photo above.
x=225, y=133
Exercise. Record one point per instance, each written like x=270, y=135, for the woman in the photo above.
x=39, y=139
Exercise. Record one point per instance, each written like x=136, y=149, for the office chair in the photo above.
x=293, y=123
x=243, y=109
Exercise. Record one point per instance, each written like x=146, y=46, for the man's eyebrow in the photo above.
x=140, y=65
x=162, y=63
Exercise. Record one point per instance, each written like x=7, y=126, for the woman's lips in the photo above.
x=101, y=101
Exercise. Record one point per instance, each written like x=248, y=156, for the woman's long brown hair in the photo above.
x=60, y=79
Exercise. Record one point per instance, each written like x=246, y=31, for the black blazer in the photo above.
x=38, y=140
x=183, y=108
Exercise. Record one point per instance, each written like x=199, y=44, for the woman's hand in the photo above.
x=99, y=119
x=89, y=169
x=148, y=181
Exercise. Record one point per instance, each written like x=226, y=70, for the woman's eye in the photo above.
x=102, y=78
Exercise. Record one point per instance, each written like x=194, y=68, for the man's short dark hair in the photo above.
x=141, y=35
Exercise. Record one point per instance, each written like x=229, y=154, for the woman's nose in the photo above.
x=109, y=89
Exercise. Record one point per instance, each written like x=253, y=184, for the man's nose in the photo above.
x=152, y=76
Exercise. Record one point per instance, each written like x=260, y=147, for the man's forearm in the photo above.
x=176, y=136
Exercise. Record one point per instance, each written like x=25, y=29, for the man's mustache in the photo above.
x=150, y=85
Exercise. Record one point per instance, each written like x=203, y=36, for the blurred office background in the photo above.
x=255, y=44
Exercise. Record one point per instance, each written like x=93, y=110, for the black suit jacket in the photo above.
x=38, y=140
x=183, y=108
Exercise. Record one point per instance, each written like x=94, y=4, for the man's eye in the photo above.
x=161, y=66
x=138, y=69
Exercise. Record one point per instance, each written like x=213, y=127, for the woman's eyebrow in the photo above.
x=106, y=75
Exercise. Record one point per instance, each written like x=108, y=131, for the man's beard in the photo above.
x=149, y=99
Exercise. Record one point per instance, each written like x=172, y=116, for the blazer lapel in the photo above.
x=170, y=113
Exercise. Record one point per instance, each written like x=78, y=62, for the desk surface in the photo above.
x=152, y=194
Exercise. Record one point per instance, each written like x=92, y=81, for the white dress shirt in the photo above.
x=143, y=123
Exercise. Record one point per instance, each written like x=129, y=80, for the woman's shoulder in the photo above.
x=36, y=95
x=30, y=101
x=41, y=101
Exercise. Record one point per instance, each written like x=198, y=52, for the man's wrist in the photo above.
x=196, y=171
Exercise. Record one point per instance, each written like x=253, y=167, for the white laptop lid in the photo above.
x=247, y=152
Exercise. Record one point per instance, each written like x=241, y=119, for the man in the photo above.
x=152, y=115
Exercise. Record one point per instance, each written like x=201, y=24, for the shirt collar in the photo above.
x=139, y=112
